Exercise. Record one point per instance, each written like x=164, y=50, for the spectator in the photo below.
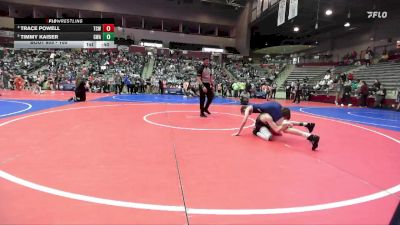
x=118, y=83
x=273, y=90
x=376, y=86
x=242, y=87
x=131, y=84
x=380, y=97
x=244, y=98
x=355, y=84
x=327, y=75
x=292, y=85
x=367, y=57
x=187, y=92
x=19, y=83
x=346, y=94
x=6, y=80
x=148, y=86
x=288, y=90
x=219, y=89
x=350, y=76
x=363, y=94
x=128, y=83
x=343, y=77
x=235, y=87
x=297, y=91
x=164, y=85
x=161, y=86
x=398, y=99
x=385, y=56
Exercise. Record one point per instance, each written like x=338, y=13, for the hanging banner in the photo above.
x=282, y=12
x=254, y=10
x=293, y=8
x=265, y=5
x=253, y=15
x=254, y=5
x=259, y=7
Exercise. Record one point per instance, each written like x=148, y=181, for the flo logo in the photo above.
x=377, y=14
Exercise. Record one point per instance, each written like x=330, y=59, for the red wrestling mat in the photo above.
x=47, y=95
x=118, y=164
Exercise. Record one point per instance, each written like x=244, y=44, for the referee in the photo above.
x=206, y=84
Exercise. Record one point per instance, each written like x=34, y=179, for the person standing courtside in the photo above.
x=297, y=91
x=206, y=84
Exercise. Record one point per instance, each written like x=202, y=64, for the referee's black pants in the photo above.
x=210, y=96
x=297, y=97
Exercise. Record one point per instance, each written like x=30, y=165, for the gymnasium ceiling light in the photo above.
x=328, y=12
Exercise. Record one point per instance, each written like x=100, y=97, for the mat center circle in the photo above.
x=190, y=120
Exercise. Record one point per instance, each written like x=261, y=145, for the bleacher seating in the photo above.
x=307, y=71
x=337, y=70
x=57, y=69
x=177, y=71
x=387, y=73
x=344, y=69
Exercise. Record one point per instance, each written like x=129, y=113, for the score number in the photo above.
x=108, y=32
x=108, y=36
x=108, y=27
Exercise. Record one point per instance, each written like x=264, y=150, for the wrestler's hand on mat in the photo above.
x=236, y=134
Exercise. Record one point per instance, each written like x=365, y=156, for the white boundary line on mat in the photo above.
x=20, y=111
x=354, y=114
x=146, y=118
x=180, y=208
x=337, y=119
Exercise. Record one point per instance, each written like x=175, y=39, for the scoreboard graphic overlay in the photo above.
x=64, y=33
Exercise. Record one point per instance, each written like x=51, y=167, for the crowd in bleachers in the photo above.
x=252, y=82
x=108, y=71
x=351, y=58
x=16, y=66
x=367, y=57
x=173, y=73
x=345, y=85
x=245, y=71
x=181, y=73
x=103, y=71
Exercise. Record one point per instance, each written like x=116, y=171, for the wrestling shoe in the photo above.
x=310, y=127
x=314, y=139
x=203, y=115
x=206, y=111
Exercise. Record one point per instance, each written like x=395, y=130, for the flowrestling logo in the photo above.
x=377, y=14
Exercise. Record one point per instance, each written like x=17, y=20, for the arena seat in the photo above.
x=387, y=73
x=299, y=73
